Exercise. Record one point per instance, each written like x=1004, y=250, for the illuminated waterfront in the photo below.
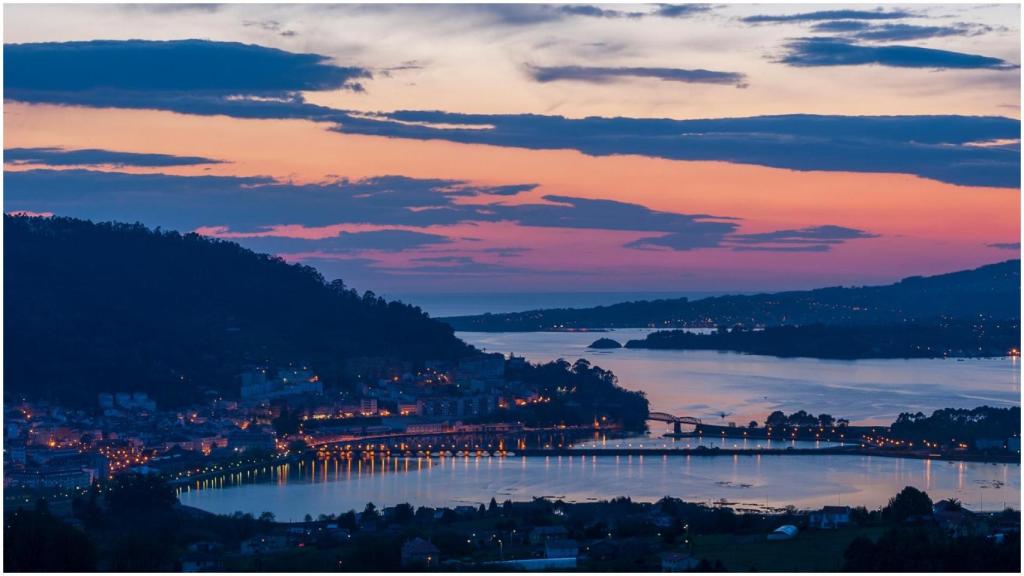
x=334, y=486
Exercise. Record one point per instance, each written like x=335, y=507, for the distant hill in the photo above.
x=952, y=339
x=991, y=292
x=118, y=307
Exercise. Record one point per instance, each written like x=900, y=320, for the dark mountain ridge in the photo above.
x=991, y=292
x=110, y=307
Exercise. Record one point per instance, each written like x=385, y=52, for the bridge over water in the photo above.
x=676, y=421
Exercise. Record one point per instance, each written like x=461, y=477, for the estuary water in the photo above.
x=749, y=482
x=708, y=384
x=716, y=387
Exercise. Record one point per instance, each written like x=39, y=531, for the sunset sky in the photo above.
x=504, y=148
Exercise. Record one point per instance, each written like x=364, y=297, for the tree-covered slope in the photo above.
x=118, y=307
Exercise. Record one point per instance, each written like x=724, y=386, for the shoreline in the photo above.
x=711, y=452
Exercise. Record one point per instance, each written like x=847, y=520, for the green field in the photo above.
x=810, y=551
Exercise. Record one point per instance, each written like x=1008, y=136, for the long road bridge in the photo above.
x=475, y=434
x=676, y=421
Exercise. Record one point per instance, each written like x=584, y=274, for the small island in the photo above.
x=605, y=344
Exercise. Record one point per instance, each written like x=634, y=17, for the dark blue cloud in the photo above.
x=663, y=10
x=929, y=146
x=245, y=204
x=145, y=66
x=813, y=235
x=797, y=248
x=569, y=212
x=1005, y=245
x=190, y=202
x=897, y=32
x=85, y=157
x=461, y=189
x=838, y=52
x=688, y=240
x=681, y=10
x=840, y=26
x=510, y=190
x=597, y=74
x=507, y=251
x=829, y=15
x=596, y=11
x=513, y=14
x=256, y=106
x=811, y=239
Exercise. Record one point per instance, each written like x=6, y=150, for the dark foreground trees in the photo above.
x=36, y=541
x=930, y=549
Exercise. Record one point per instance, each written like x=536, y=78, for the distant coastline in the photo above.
x=897, y=341
x=990, y=293
x=457, y=304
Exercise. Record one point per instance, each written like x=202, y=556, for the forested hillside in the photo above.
x=118, y=307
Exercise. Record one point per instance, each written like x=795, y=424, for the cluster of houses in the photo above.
x=473, y=386
x=49, y=446
x=440, y=390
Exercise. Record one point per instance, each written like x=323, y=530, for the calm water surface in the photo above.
x=336, y=486
x=706, y=384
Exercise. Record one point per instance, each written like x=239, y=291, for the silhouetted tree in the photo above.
x=348, y=521
x=404, y=514
x=776, y=419
x=370, y=513
x=909, y=502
